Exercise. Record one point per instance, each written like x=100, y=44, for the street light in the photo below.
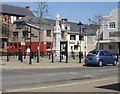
x=84, y=30
x=80, y=29
x=8, y=38
x=30, y=62
x=39, y=44
x=29, y=31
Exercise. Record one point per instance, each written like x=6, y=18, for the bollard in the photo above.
x=49, y=55
x=37, y=58
x=79, y=57
x=66, y=58
x=52, y=58
x=21, y=57
x=24, y=55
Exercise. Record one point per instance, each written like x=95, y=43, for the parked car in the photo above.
x=100, y=57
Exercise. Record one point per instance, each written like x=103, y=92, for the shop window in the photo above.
x=111, y=46
x=48, y=45
x=11, y=45
x=19, y=45
x=15, y=46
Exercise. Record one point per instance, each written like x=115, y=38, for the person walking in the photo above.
x=28, y=53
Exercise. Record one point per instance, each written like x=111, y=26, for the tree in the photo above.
x=97, y=22
x=41, y=10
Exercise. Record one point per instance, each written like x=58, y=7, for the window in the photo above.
x=101, y=53
x=111, y=46
x=25, y=34
x=15, y=46
x=92, y=53
x=75, y=47
x=11, y=45
x=48, y=33
x=48, y=45
x=15, y=34
x=111, y=25
x=81, y=37
x=72, y=37
x=19, y=25
x=107, y=53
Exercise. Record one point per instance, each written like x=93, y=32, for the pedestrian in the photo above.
x=28, y=53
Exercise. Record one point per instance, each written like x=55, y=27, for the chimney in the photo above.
x=65, y=19
x=27, y=7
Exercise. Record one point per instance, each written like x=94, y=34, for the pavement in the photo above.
x=14, y=63
x=45, y=62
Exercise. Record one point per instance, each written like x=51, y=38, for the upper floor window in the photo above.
x=15, y=34
x=72, y=37
x=48, y=33
x=19, y=25
x=111, y=25
x=25, y=34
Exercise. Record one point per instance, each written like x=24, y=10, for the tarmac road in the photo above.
x=60, y=79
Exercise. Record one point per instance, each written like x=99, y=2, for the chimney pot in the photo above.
x=27, y=7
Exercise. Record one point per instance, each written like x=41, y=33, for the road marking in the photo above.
x=58, y=85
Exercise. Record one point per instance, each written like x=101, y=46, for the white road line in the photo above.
x=58, y=85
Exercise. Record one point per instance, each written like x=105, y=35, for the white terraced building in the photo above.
x=110, y=32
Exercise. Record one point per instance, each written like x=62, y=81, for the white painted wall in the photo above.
x=13, y=18
x=112, y=18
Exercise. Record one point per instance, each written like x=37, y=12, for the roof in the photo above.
x=50, y=23
x=90, y=29
x=34, y=21
x=15, y=10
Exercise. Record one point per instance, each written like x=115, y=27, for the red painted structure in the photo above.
x=13, y=47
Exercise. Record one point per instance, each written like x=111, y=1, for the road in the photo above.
x=60, y=79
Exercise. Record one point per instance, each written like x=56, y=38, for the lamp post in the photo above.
x=8, y=38
x=30, y=62
x=39, y=43
x=29, y=38
x=84, y=30
x=80, y=29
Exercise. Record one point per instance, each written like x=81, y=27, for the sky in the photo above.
x=74, y=11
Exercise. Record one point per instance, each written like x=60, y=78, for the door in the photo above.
x=109, y=57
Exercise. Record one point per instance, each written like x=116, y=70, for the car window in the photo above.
x=92, y=53
x=107, y=53
x=102, y=54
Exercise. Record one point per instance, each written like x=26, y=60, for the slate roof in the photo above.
x=50, y=23
x=75, y=28
x=15, y=10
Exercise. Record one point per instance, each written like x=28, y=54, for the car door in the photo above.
x=103, y=57
x=109, y=57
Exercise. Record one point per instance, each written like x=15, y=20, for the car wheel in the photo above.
x=115, y=62
x=100, y=63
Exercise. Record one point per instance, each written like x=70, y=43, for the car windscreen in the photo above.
x=92, y=53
